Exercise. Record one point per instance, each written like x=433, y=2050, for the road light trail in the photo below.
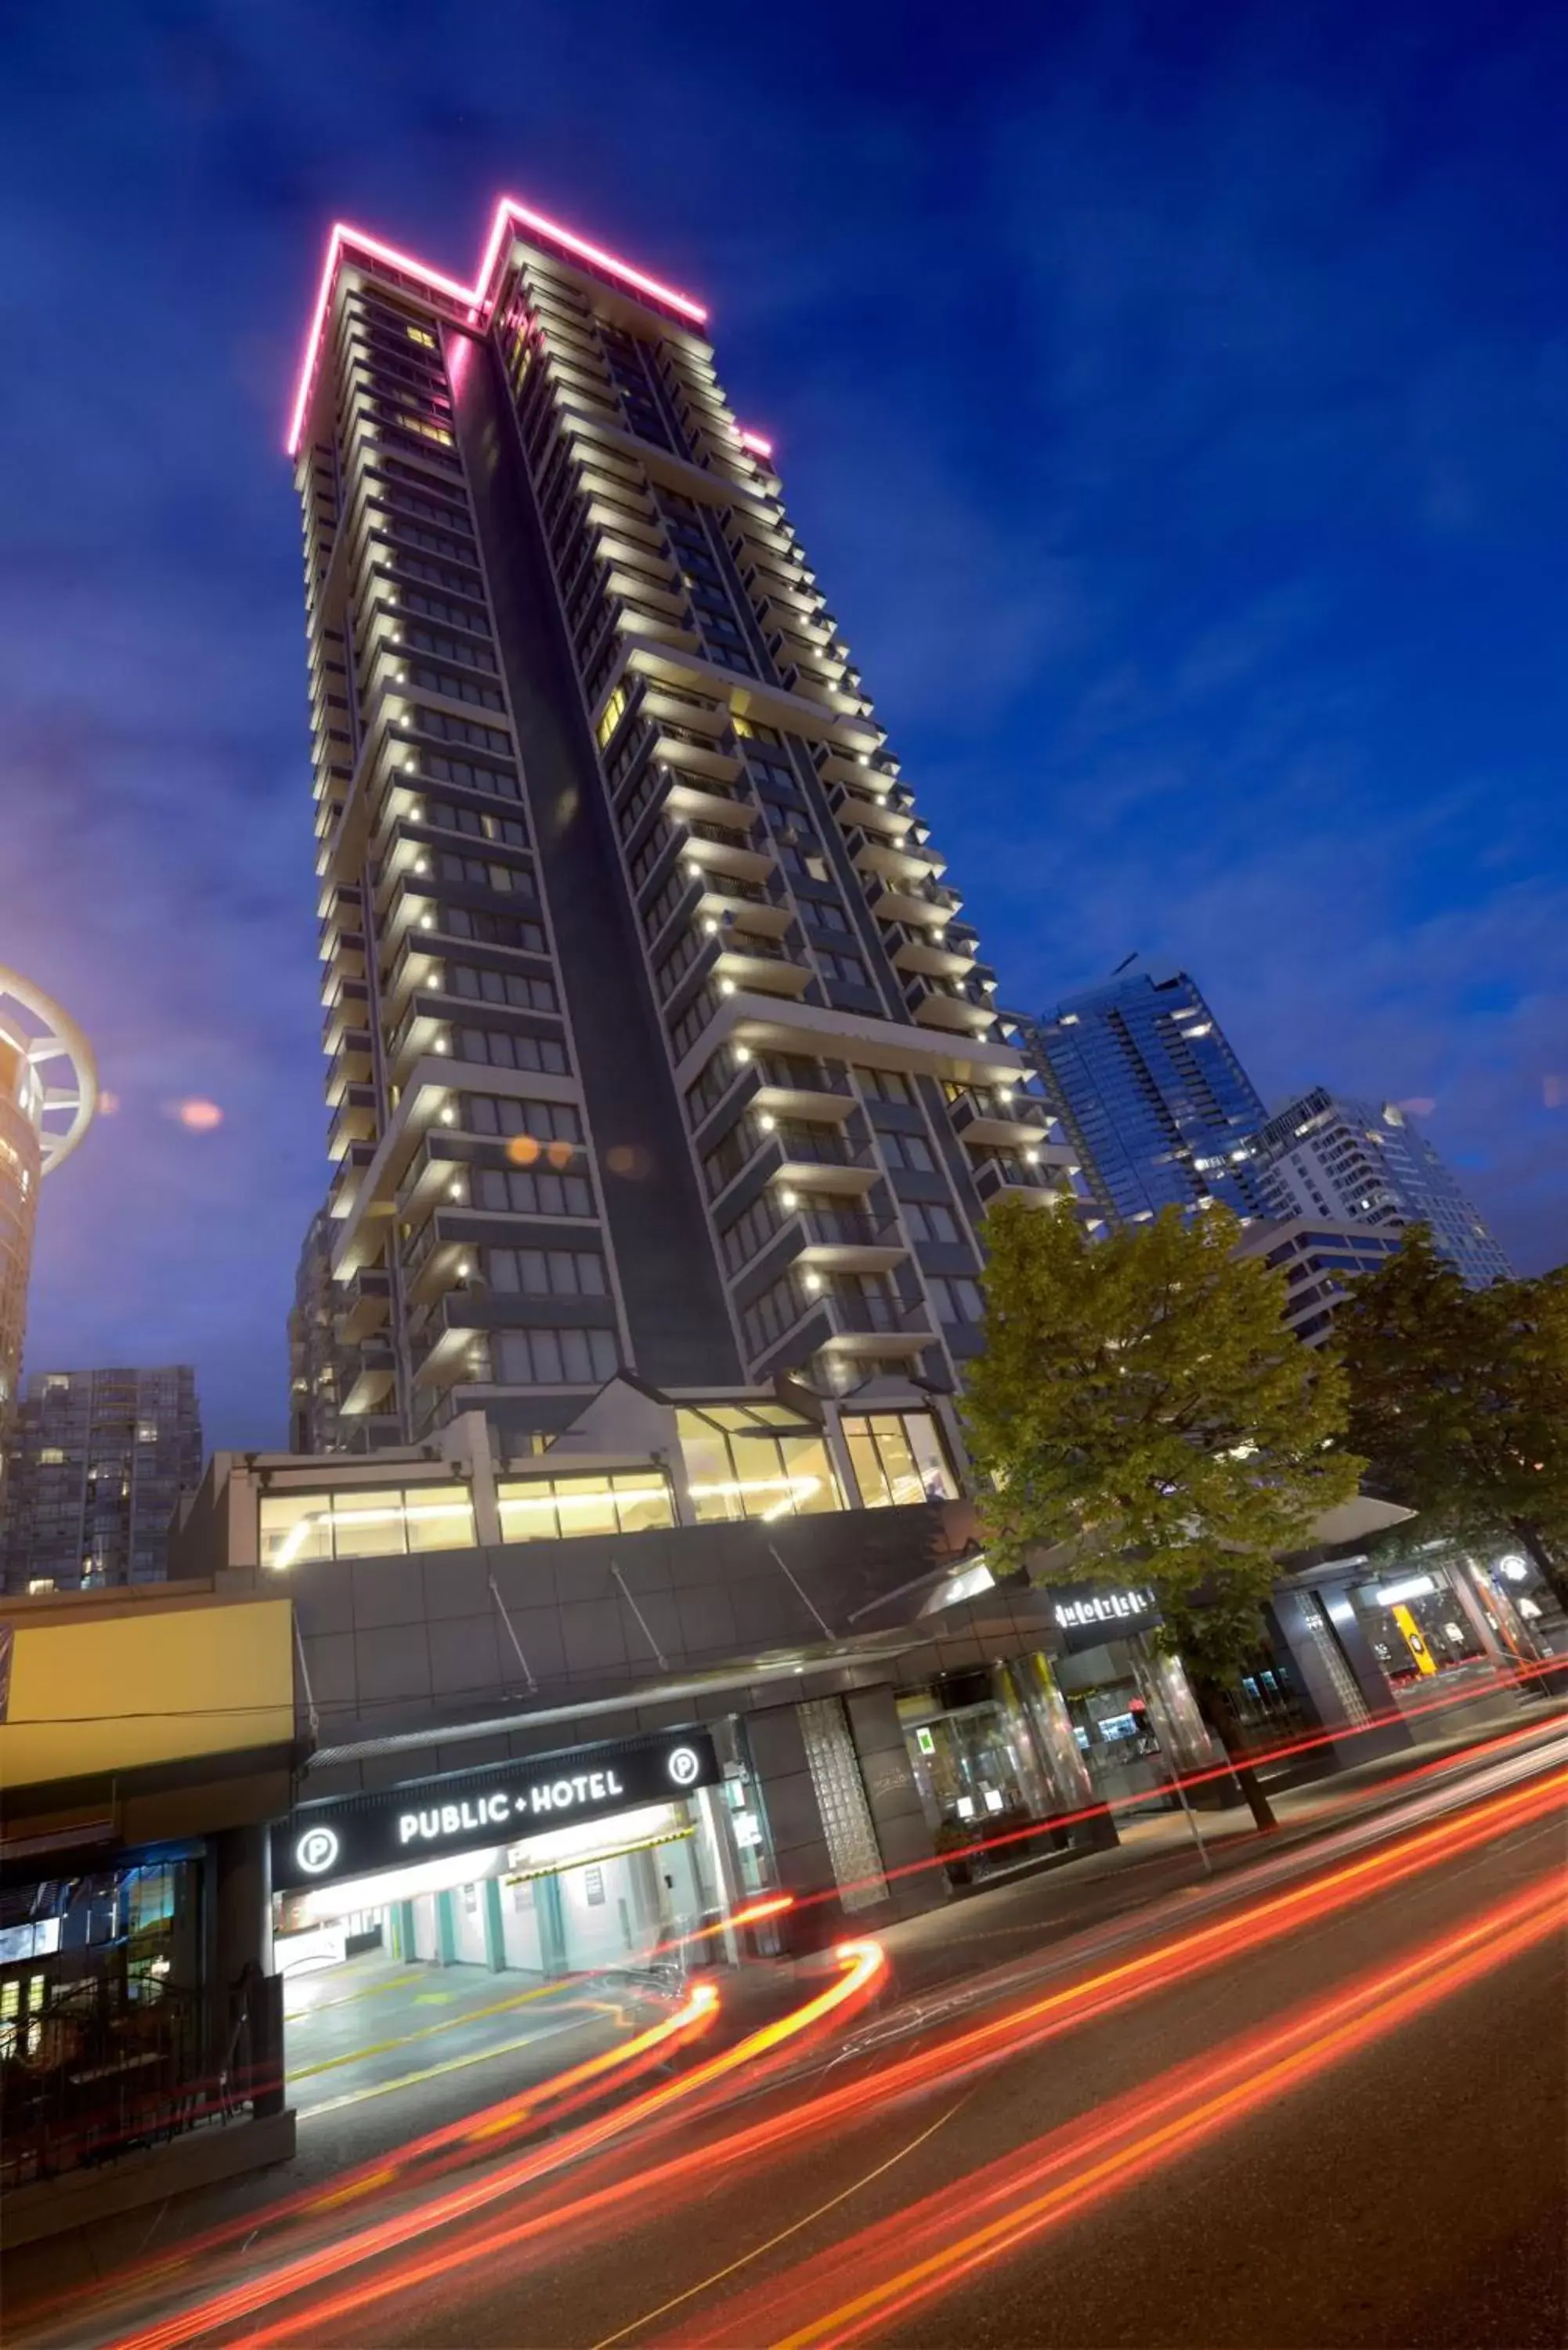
x=1067, y=2171
x=860, y=1964
x=945, y=2061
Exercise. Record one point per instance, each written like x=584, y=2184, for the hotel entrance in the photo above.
x=450, y=1918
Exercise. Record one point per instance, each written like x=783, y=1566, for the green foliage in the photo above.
x=1141, y=1398
x=1460, y=1398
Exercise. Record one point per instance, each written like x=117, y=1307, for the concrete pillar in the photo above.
x=240, y=1953
x=898, y=1814
x=494, y=1931
x=552, y=1926
x=446, y=1931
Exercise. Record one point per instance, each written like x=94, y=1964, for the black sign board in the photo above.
x=1086, y=1615
x=477, y=1809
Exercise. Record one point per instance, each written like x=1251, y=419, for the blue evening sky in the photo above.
x=1172, y=400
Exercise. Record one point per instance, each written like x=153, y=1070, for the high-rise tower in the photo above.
x=655, y=1039
x=48, y=1088
x=1152, y=1094
x=1369, y=1162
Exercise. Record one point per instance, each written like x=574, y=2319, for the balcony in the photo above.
x=344, y=1188
x=370, y=1373
x=846, y=1239
x=876, y=1326
x=944, y=1004
x=719, y=850
x=739, y=907
x=1014, y=1121
x=350, y=1063
x=667, y=709
x=758, y=963
x=855, y=812
x=997, y=1178
x=363, y=1304
x=686, y=799
x=353, y=1120
x=937, y=953
x=349, y=1010
x=702, y=760
x=894, y=861
x=809, y=1160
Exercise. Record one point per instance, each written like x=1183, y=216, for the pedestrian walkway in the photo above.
x=1006, y=1917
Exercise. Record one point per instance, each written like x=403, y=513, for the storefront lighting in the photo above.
x=395, y=1514
x=1414, y=1586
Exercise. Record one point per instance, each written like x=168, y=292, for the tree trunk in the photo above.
x=1529, y=1535
x=1219, y=1713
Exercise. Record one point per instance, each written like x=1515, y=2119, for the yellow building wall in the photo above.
x=121, y=1692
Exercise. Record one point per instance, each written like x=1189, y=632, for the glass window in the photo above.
x=898, y=1460
x=367, y=1524
x=439, y=1517
x=587, y=1505
x=294, y=1526
x=809, y=1465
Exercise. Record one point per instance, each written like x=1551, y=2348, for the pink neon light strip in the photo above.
x=510, y=210
x=507, y=210
x=756, y=445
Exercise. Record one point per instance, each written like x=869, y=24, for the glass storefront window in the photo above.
x=368, y=1522
x=975, y=1770
x=897, y=1459
x=547, y=1509
x=742, y=1463
x=1421, y=1624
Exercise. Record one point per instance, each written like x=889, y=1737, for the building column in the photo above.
x=494, y=1931
x=552, y=1926
x=903, y=1833
x=241, y=1983
x=446, y=1931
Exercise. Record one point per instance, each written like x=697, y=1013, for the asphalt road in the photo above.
x=1405, y=2187
x=1414, y=2194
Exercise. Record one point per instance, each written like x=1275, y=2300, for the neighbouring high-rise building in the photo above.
x=48, y=1088
x=314, y=1350
x=1158, y=1105
x=95, y=1463
x=1319, y=1260
x=655, y=1039
x=1369, y=1162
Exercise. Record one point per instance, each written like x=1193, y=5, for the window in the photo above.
x=899, y=1459
x=547, y=1509
x=755, y=1462
x=532, y=1192
x=928, y=1222
x=504, y=1051
x=546, y=1273
x=545, y=1121
x=884, y=1084
x=847, y=969
x=544, y=1358
x=614, y=712
x=49, y=1455
x=957, y=1301
x=373, y=1521
x=909, y=1150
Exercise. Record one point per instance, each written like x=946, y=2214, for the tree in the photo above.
x=1140, y=1399
x=1459, y=1399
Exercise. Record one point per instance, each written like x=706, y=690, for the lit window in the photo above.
x=614, y=712
x=899, y=1459
x=753, y=1467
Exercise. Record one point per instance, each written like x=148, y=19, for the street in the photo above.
x=1322, y=2103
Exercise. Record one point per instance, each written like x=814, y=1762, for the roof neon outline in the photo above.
x=508, y=212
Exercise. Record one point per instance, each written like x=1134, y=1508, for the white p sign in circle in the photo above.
x=684, y=1766
x=317, y=1850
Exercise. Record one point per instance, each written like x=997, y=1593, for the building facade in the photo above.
x=97, y=1461
x=1362, y=1162
x=313, y=1348
x=48, y=1088
x=1157, y=1107
x=656, y=1041
x=1319, y=1260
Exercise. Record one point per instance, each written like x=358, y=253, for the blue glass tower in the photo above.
x=1155, y=1102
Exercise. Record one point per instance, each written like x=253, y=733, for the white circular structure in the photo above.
x=49, y=1091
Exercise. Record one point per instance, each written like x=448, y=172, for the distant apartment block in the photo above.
x=1320, y=1262
x=1362, y=1162
x=95, y=1463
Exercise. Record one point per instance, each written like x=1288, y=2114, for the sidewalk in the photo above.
x=1035, y=1906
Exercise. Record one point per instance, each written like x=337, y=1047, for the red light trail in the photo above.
x=944, y=2062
